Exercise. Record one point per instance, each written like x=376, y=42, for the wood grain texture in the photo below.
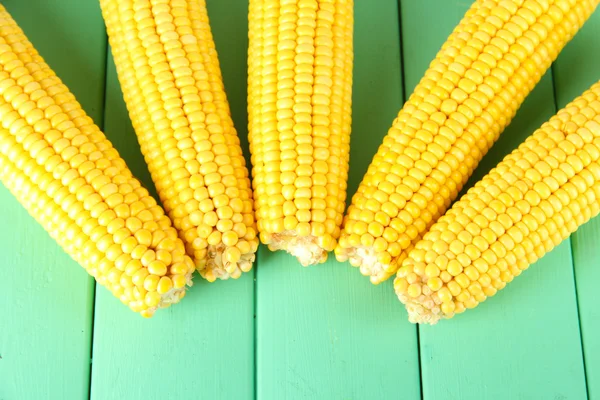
x=325, y=332
x=46, y=298
x=202, y=347
x=575, y=71
x=524, y=342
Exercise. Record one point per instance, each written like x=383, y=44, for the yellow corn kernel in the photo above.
x=69, y=177
x=170, y=75
x=574, y=130
x=299, y=98
x=466, y=98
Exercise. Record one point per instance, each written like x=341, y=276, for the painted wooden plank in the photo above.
x=325, y=332
x=203, y=347
x=46, y=298
x=524, y=342
x=574, y=72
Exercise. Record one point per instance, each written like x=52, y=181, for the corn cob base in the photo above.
x=169, y=71
x=369, y=261
x=534, y=199
x=218, y=267
x=64, y=171
x=305, y=248
x=469, y=94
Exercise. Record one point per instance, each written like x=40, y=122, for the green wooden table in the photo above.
x=283, y=331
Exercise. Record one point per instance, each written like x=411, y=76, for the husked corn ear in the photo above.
x=535, y=198
x=469, y=94
x=171, y=80
x=64, y=171
x=299, y=106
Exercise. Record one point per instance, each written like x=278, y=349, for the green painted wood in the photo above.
x=575, y=71
x=203, y=347
x=46, y=298
x=325, y=332
x=524, y=342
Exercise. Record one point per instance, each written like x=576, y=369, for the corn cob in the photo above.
x=171, y=80
x=534, y=199
x=64, y=171
x=299, y=105
x=469, y=94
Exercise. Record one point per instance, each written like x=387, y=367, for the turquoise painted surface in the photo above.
x=286, y=332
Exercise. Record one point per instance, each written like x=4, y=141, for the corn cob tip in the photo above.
x=227, y=262
x=309, y=250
